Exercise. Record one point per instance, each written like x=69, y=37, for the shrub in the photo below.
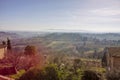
x=30, y=50
x=113, y=75
x=48, y=73
x=33, y=74
x=18, y=75
x=91, y=75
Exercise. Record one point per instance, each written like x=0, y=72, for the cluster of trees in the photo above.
x=47, y=73
x=23, y=60
x=59, y=68
x=52, y=72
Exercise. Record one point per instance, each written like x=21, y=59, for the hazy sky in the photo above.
x=59, y=15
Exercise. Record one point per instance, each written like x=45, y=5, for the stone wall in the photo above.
x=116, y=63
x=92, y=63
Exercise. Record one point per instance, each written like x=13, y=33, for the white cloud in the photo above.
x=106, y=12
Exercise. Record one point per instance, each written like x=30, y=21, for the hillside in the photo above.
x=82, y=44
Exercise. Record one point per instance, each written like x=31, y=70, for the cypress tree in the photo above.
x=9, y=47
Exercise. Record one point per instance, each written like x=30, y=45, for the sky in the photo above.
x=60, y=15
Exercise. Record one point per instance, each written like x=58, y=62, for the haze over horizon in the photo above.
x=60, y=15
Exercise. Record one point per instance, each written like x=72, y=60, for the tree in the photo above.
x=28, y=62
x=104, y=60
x=30, y=58
x=77, y=64
x=9, y=47
x=33, y=74
x=21, y=61
x=12, y=60
x=91, y=75
x=95, y=55
x=51, y=72
x=48, y=73
x=113, y=75
x=30, y=50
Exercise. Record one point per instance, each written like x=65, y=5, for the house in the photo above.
x=111, y=58
x=3, y=49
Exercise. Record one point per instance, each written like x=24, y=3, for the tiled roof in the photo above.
x=114, y=51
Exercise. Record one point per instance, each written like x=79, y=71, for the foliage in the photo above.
x=18, y=75
x=28, y=62
x=113, y=75
x=34, y=74
x=74, y=76
x=104, y=60
x=21, y=61
x=48, y=73
x=91, y=75
x=9, y=47
x=51, y=72
x=97, y=69
x=30, y=50
x=12, y=59
x=77, y=64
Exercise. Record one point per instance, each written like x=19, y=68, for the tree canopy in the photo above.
x=30, y=50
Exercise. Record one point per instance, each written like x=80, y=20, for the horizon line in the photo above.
x=59, y=30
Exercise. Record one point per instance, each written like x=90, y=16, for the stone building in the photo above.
x=3, y=49
x=111, y=58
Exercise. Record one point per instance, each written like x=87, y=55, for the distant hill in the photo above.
x=28, y=34
x=5, y=35
x=83, y=36
x=19, y=34
x=83, y=44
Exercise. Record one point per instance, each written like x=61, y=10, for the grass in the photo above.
x=98, y=69
x=18, y=75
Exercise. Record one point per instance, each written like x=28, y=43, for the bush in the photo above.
x=18, y=75
x=48, y=73
x=30, y=50
x=91, y=75
x=33, y=74
x=113, y=75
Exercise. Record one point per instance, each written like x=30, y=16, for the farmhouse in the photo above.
x=111, y=58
